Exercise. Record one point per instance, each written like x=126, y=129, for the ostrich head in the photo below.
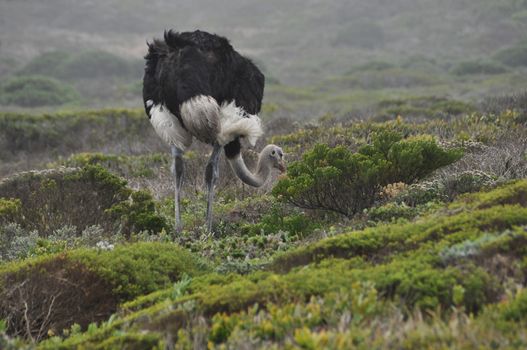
x=274, y=156
x=270, y=157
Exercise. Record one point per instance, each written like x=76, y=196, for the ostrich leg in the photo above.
x=211, y=176
x=177, y=171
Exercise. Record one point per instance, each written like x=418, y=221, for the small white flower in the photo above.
x=104, y=245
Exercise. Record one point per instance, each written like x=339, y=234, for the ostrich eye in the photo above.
x=273, y=153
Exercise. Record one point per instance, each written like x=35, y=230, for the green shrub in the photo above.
x=80, y=198
x=345, y=182
x=139, y=268
x=499, y=105
x=424, y=107
x=467, y=182
x=132, y=342
x=498, y=210
x=279, y=219
x=16, y=242
x=363, y=34
x=514, y=56
x=93, y=64
x=84, y=286
x=373, y=66
x=392, y=211
x=359, y=302
x=422, y=193
x=386, y=78
x=512, y=193
x=139, y=214
x=36, y=91
x=46, y=64
x=84, y=64
x=516, y=310
x=123, y=165
x=74, y=197
x=8, y=343
x=445, y=189
x=392, y=275
x=9, y=209
x=42, y=136
x=478, y=67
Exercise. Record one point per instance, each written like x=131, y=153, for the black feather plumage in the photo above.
x=188, y=64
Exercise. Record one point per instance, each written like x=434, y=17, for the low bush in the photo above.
x=80, y=198
x=96, y=63
x=510, y=242
x=516, y=310
x=478, y=67
x=9, y=209
x=345, y=182
x=42, y=136
x=358, y=303
x=144, y=166
x=52, y=296
x=515, y=56
x=467, y=182
x=16, y=242
x=138, y=214
x=45, y=64
x=393, y=275
x=392, y=211
x=36, y=91
x=385, y=79
x=49, y=294
x=84, y=64
x=19, y=243
x=372, y=66
x=73, y=197
x=7, y=342
x=281, y=219
x=445, y=188
x=499, y=209
x=424, y=107
x=422, y=193
x=498, y=105
x=364, y=34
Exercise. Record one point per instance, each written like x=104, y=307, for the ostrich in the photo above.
x=197, y=86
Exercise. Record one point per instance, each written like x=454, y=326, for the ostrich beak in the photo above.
x=281, y=166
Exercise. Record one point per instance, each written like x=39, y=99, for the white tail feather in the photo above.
x=168, y=127
x=235, y=123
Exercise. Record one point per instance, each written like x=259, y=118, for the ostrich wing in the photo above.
x=248, y=87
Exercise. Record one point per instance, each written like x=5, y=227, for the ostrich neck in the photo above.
x=258, y=178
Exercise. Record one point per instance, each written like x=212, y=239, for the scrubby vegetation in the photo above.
x=49, y=293
x=337, y=180
x=40, y=139
x=84, y=64
x=514, y=56
x=381, y=276
x=478, y=67
x=78, y=198
x=36, y=91
x=401, y=222
x=60, y=77
x=430, y=249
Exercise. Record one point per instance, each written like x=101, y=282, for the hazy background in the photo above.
x=318, y=55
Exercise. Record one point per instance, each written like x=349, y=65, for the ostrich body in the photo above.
x=197, y=86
